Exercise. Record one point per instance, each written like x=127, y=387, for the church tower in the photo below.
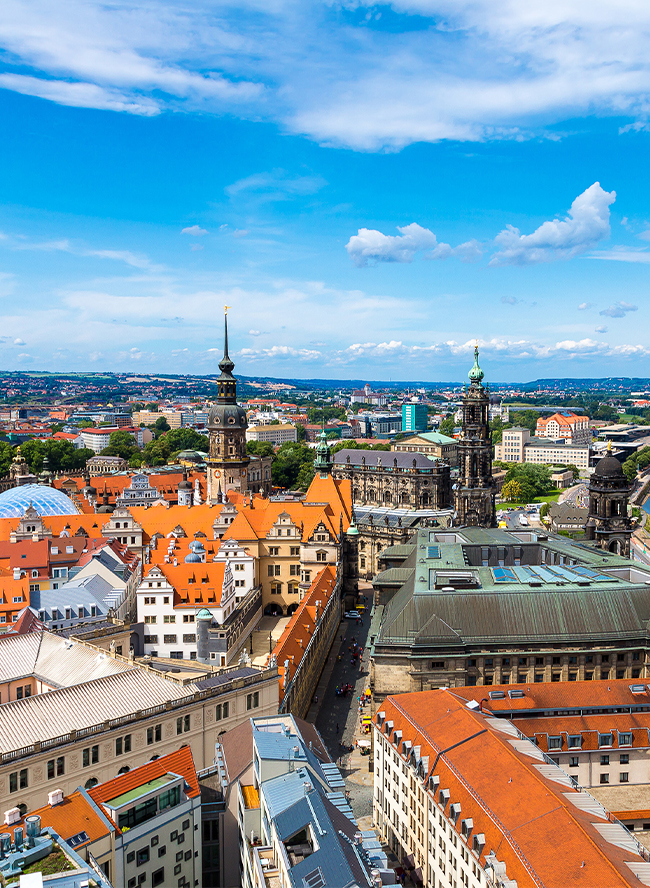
x=608, y=524
x=323, y=460
x=474, y=491
x=228, y=460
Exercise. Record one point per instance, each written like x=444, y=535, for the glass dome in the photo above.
x=46, y=501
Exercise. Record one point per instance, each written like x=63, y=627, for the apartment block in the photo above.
x=465, y=799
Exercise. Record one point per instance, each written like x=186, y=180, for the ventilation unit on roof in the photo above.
x=515, y=694
x=443, y=797
x=55, y=797
x=12, y=816
x=497, y=695
x=536, y=583
x=466, y=826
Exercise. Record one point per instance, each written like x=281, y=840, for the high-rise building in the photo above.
x=228, y=461
x=475, y=489
x=414, y=417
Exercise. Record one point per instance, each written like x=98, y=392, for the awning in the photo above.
x=416, y=875
x=366, y=720
x=364, y=744
x=409, y=862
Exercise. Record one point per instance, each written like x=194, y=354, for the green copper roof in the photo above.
x=476, y=374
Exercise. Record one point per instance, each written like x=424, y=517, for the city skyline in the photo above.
x=370, y=187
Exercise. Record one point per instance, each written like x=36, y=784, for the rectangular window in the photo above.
x=142, y=856
x=158, y=876
x=604, y=778
x=295, y=551
x=182, y=724
x=294, y=570
x=555, y=743
x=189, y=639
x=574, y=741
x=604, y=759
x=169, y=618
x=624, y=777
x=624, y=739
x=149, y=618
x=169, y=639
x=253, y=700
x=605, y=740
x=573, y=761
x=624, y=758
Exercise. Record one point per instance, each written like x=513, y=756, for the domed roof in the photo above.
x=204, y=614
x=46, y=501
x=476, y=374
x=610, y=466
x=192, y=558
x=229, y=416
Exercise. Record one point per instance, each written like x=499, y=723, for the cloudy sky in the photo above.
x=370, y=187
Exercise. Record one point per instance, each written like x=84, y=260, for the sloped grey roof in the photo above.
x=384, y=459
x=469, y=616
x=46, y=716
x=57, y=661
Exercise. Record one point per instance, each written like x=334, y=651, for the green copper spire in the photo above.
x=323, y=461
x=476, y=374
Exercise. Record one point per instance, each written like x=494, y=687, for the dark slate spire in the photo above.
x=227, y=384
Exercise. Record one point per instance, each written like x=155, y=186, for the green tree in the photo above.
x=288, y=461
x=496, y=428
x=151, y=407
x=260, y=448
x=302, y=434
x=629, y=469
x=85, y=424
x=511, y=491
x=447, y=426
x=527, y=419
x=162, y=425
x=122, y=444
x=7, y=453
x=186, y=439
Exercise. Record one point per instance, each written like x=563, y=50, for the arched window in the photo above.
x=123, y=770
x=90, y=783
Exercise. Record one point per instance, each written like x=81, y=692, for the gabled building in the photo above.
x=463, y=798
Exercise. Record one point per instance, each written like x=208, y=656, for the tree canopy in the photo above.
x=533, y=480
x=293, y=466
x=61, y=454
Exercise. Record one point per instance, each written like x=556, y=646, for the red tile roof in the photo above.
x=179, y=762
x=522, y=812
x=70, y=817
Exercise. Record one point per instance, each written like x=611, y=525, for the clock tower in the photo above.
x=228, y=461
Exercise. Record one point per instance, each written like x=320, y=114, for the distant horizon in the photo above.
x=342, y=382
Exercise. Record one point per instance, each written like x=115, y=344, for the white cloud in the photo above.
x=254, y=333
x=194, y=248
x=19, y=342
x=623, y=254
x=619, y=310
x=585, y=305
x=194, y=230
x=600, y=330
x=510, y=300
x=240, y=232
x=480, y=70
x=275, y=185
x=586, y=223
x=370, y=245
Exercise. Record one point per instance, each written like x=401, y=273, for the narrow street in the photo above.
x=343, y=712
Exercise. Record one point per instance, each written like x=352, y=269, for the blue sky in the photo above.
x=371, y=188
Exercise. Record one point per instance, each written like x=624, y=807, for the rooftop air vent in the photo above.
x=55, y=797
x=12, y=816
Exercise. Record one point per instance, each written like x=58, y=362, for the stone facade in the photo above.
x=395, y=480
x=608, y=524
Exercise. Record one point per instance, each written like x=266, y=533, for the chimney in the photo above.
x=55, y=797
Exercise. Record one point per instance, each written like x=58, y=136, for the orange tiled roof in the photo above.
x=560, y=695
x=194, y=584
x=72, y=816
x=521, y=811
x=590, y=726
x=296, y=635
x=179, y=762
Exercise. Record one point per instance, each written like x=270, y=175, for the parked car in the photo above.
x=352, y=615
